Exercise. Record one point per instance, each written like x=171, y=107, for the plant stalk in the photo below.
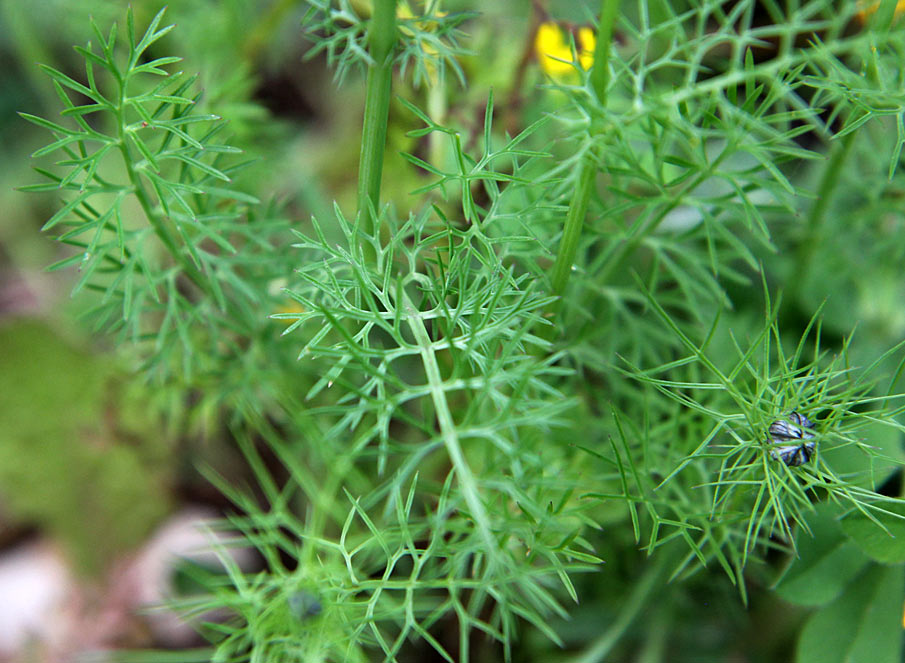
x=617, y=255
x=641, y=593
x=578, y=207
x=381, y=41
x=448, y=431
x=600, y=70
x=814, y=225
x=158, y=223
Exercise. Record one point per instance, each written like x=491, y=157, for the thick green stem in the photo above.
x=381, y=41
x=600, y=71
x=578, y=207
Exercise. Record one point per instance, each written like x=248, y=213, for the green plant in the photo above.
x=459, y=423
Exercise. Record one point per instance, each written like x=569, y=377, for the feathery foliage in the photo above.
x=461, y=419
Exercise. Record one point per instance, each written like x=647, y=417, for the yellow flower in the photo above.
x=867, y=9
x=552, y=46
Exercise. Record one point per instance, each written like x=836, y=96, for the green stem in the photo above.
x=828, y=184
x=600, y=70
x=578, y=207
x=436, y=110
x=381, y=41
x=450, y=435
x=813, y=237
x=618, y=252
x=814, y=224
x=639, y=597
x=155, y=218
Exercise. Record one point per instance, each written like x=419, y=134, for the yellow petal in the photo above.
x=588, y=42
x=550, y=43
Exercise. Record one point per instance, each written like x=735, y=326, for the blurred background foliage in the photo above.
x=86, y=457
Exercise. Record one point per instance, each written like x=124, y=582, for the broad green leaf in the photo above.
x=862, y=626
x=886, y=547
x=826, y=563
x=868, y=470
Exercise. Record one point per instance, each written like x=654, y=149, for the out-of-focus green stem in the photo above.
x=381, y=41
x=263, y=31
x=578, y=207
x=638, y=599
x=881, y=21
x=814, y=224
x=436, y=109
